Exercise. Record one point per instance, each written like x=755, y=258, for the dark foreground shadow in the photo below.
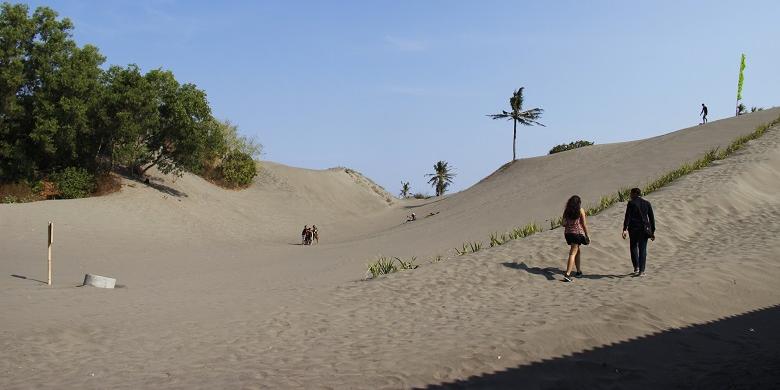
x=26, y=278
x=550, y=272
x=738, y=352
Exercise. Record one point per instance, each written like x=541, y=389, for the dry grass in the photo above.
x=17, y=193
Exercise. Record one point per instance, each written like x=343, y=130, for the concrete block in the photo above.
x=99, y=281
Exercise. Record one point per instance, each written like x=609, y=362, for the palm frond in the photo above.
x=516, y=101
x=529, y=117
x=502, y=115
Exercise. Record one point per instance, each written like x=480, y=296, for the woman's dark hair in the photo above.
x=572, y=210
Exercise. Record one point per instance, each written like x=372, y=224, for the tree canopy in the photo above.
x=60, y=108
x=441, y=178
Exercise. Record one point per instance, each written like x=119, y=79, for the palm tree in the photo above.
x=441, y=178
x=405, y=189
x=527, y=117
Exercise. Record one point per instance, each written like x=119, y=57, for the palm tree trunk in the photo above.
x=514, y=141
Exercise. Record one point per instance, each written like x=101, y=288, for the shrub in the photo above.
x=74, y=182
x=570, y=146
x=18, y=192
x=420, y=195
x=383, y=266
x=10, y=199
x=238, y=169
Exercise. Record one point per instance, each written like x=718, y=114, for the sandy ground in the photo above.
x=218, y=293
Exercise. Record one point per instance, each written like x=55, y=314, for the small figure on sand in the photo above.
x=703, y=114
x=639, y=223
x=576, y=233
x=411, y=218
x=310, y=233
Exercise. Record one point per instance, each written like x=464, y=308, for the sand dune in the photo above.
x=217, y=297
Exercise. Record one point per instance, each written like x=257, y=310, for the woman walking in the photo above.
x=575, y=230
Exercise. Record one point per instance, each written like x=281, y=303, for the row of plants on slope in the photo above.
x=376, y=269
x=66, y=121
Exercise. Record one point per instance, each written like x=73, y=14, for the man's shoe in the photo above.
x=578, y=274
x=567, y=278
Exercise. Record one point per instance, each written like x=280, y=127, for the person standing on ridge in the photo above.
x=703, y=114
x=639, y=223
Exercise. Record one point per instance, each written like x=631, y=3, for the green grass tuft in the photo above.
x=383, y=266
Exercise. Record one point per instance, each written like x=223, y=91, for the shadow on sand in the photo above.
x=551, y=272
x=737, y=352
x=435, y=200
x=26, y=278
x=153, y=182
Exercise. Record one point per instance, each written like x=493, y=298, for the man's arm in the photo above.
x=625, y=218
x=651, y=217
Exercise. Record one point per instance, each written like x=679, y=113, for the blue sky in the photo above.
x=390, y=87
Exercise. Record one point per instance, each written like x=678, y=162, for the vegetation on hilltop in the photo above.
x=569, y=146
x=64, y=116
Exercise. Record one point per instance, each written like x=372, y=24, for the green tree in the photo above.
x=517, y=115
x=405, y=189
x=128, y=118
x=60, y=110
x=441, y=178
x=237, y=142
x=153, y=121
x=47, y=93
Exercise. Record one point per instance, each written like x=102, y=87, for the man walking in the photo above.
x=639, y=224
x=703, y=114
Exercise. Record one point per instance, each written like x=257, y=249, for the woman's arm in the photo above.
x=583, y=222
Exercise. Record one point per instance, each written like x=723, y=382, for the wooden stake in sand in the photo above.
x=51, y=240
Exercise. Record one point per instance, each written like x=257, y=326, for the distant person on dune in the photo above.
x=303, y=234
x=639, y=223
x=703, y=114
x=575, y=230
x=411, y=218
x=307, y=237
x=315, y=233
